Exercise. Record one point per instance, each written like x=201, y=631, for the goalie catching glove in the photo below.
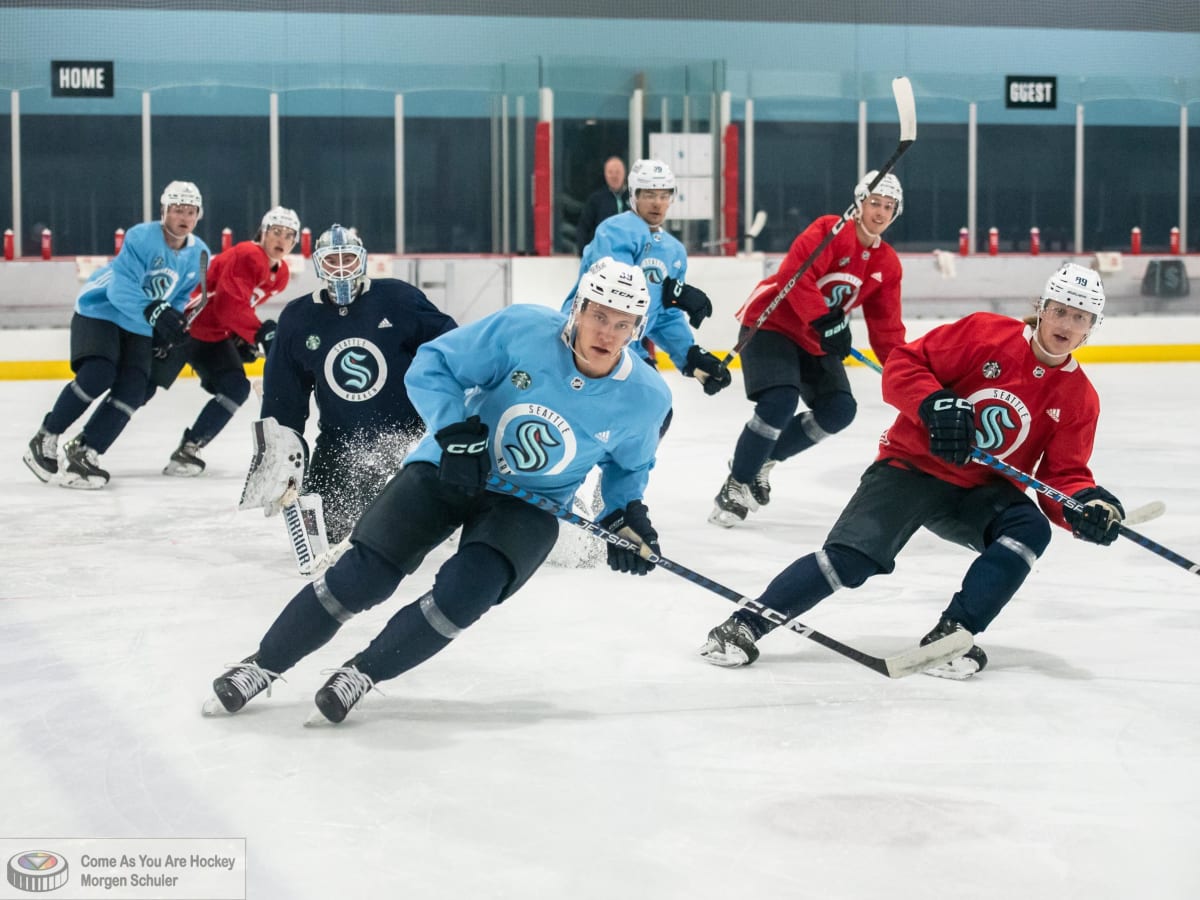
x=1098, y=520
x=276, y=469
x=632, y=523
x=693, y=301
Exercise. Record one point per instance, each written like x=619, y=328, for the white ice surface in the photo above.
x=572, y=744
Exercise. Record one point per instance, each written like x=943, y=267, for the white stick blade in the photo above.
x=1145, y=513
x=756, y=227
x=906, y=107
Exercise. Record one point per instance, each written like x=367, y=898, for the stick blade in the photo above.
x=906, y=107
x=918, y=659
x=759, y=223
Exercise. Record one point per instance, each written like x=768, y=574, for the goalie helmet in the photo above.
x=182, y=193
x=341, y=262
x=281, y=216
x=889, y=186
x=615, y=285
x=1077, y=286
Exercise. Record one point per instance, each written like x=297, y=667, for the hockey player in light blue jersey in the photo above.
x=638, y=237
x=119, y=311
x=528, y=393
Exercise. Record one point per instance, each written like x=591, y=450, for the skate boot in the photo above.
x=760, y=487
x=185, y=462
x=42, y=455
x=731, y=644
x=83, y=466
x=345, y=687
x=974, y=660
x=237, y=687
x=732, y=503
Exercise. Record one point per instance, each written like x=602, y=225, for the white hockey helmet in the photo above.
x=618, y=286
x=889, y=186
x=341, y=262
x=182, y=193
x=651, y=175
x=1077, y=286
x=281, y=216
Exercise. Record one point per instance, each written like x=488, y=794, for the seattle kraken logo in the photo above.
x=529, y=453
x=1002, y=421
x=355, y=369
x=158, y=284
x=840, y=289
x=994, y=423
x=839, y=295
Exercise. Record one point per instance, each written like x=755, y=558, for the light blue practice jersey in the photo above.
x=628, y=239
x=146, y=270
x=548, y=424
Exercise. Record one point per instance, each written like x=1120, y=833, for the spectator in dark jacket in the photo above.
x=611, y=199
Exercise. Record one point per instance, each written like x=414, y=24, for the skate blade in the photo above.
x=956, y=670
x=723, y=518
x=212, y=707
x=316, y=719
x=42, y=474
x=82, y=483
x=177, y=471
x=729, y=658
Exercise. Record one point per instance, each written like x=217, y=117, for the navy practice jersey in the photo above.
x=548, y=423
x=353, y=358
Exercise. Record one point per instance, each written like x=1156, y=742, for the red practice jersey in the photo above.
x=1035, y=418
x=846, y=274
x=238, y=280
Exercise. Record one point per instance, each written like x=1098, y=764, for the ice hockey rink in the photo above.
x=572, y=744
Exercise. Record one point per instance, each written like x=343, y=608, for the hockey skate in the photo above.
x=732, y=503
x=83, y=466
x=237, y=687
x=760, y=487
x=185, y=462
x=730, y=644
x=971, y=662
x=42, y=455
x=345, y=687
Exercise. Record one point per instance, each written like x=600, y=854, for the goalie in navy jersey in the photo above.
x=227, y=334
x=1007, y=386
x=538, y=398
x=349, y=345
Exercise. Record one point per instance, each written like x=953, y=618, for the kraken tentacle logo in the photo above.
x=533, y=439
x=159, y=283
x=654, y=269
x=1002, y=421
x=355, y=369
x=840, y=289
x=530, y=451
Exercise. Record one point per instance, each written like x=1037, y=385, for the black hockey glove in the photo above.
x=245, y=351
x=465, y=464
x=691, y=300
x=712, y=374
x=951, y=423
x=168, y=322
x=833, y=330
x=1099, y=517
x=265, y=336
x=632, y=522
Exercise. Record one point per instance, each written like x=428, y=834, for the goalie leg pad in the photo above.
x=276, y=469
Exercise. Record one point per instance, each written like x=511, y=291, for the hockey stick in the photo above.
x=915, y=659
x=982, y=456
x=1146, y=513
x=906, y=107
x=755, y=229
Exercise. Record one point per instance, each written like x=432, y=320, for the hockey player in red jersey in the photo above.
x=1009, y=387
x=227, y=333
x=797, y=354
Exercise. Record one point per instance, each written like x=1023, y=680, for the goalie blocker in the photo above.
x=273, y=484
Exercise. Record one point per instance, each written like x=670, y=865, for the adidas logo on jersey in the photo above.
x=1054, y=413
x=603, y=436
x=877, y=276
x=384, y=323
